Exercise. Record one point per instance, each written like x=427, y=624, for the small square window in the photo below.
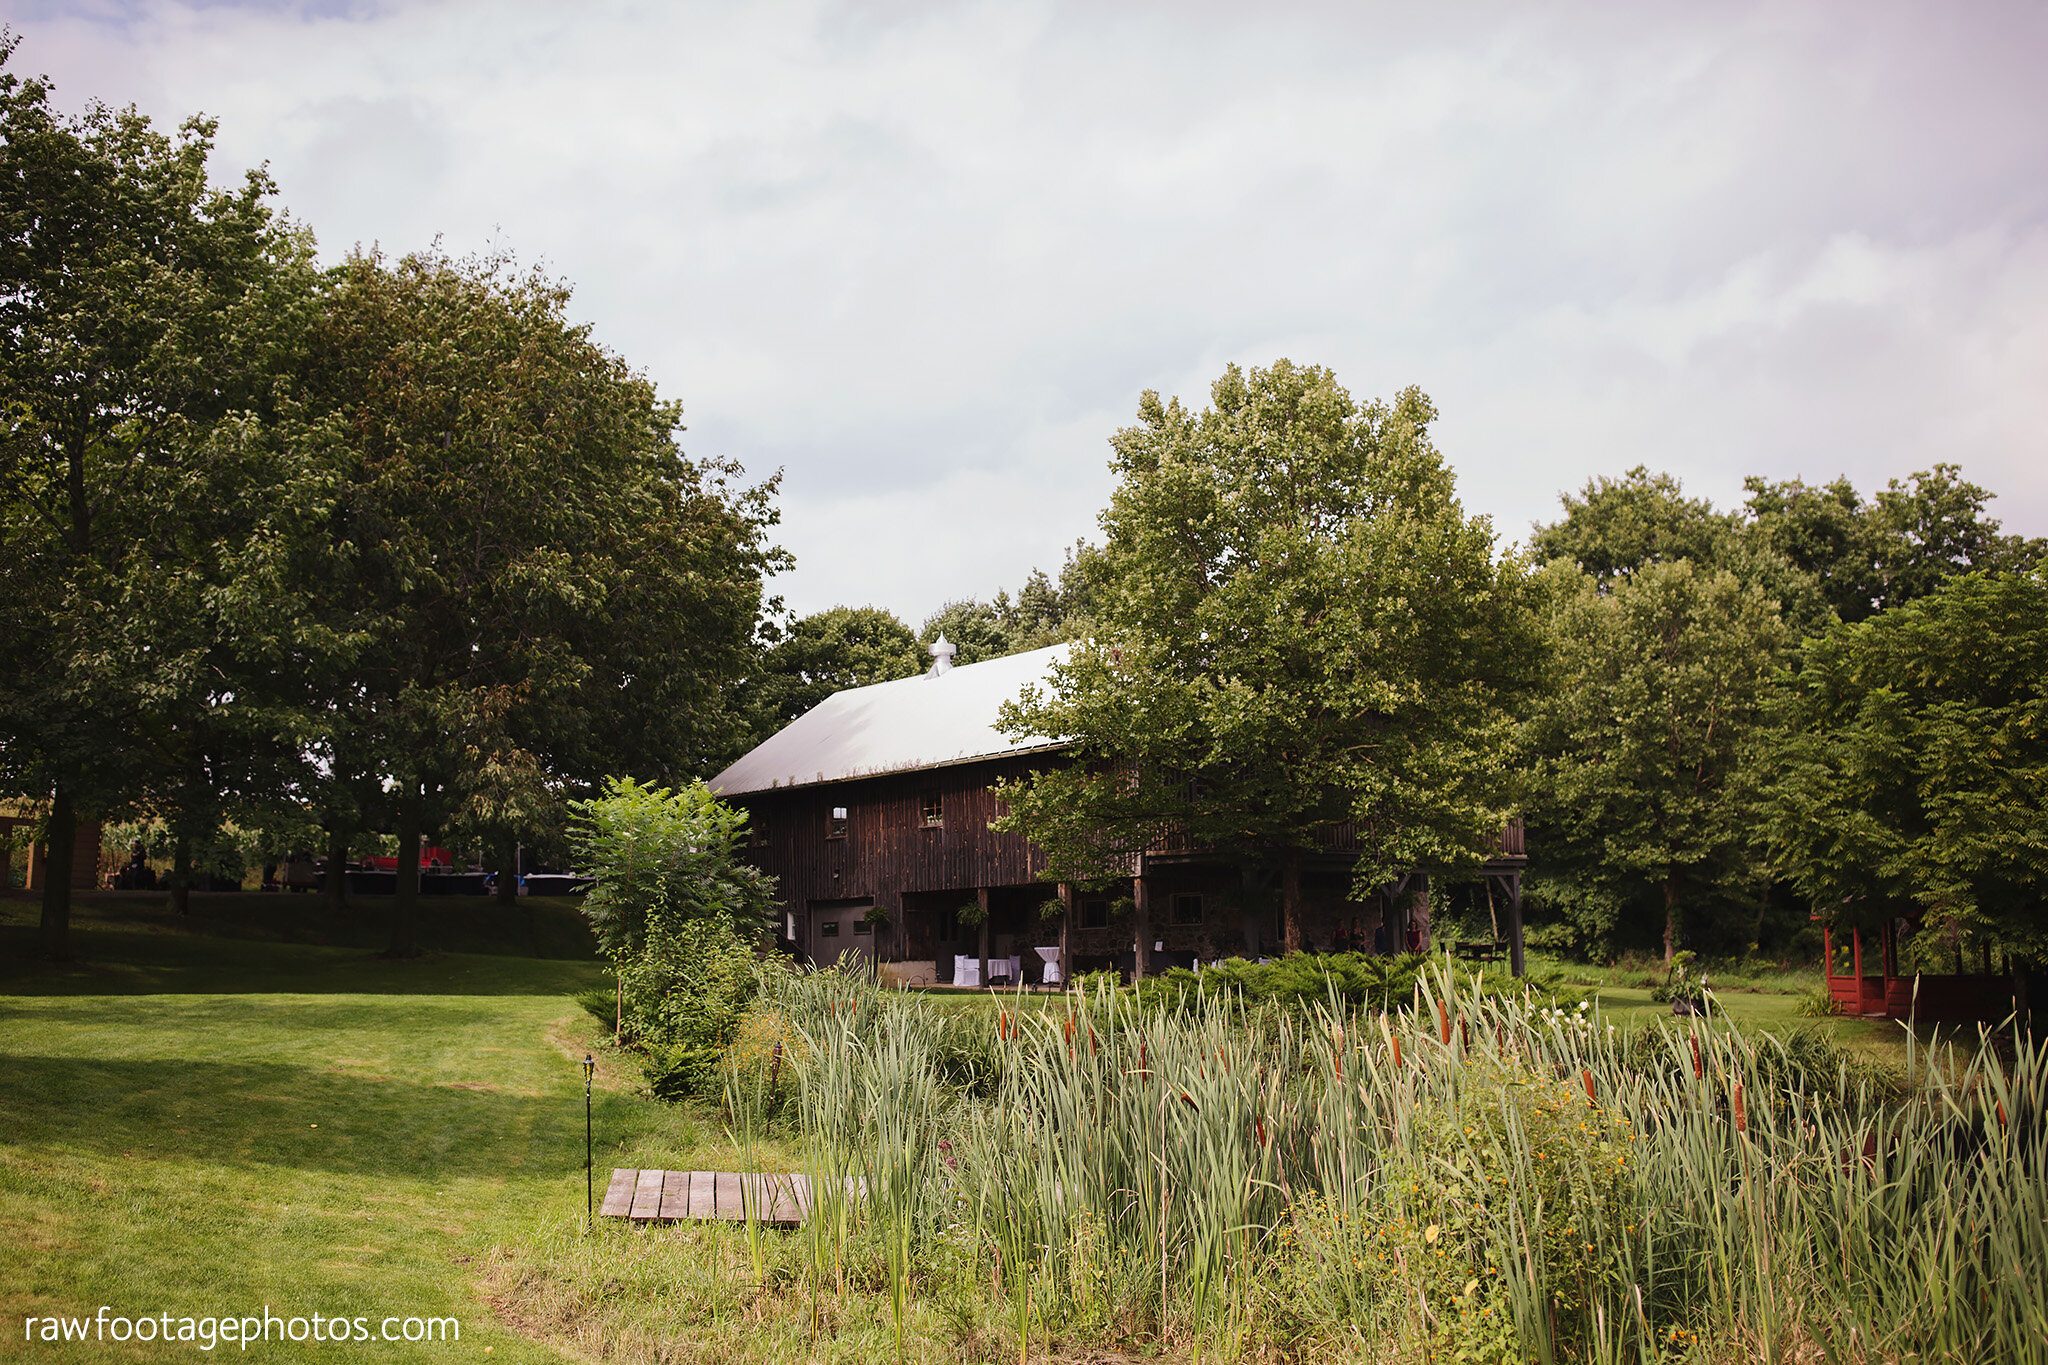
x=934, y=810
x=757, y=832
x=863, y=927
x=1095, y=914
x=1187, y=909
x=835, y=828
x=828, y=929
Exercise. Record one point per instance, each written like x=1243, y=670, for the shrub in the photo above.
x=1359, y=981
x=683, y=997
x=679, y=915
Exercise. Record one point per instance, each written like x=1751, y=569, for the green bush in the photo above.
x=1348, y=980
x=679, y=915
x=1681, y=980
x=684, y=995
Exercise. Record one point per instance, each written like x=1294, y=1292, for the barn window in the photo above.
x=934, y=810
x=757, y=831
x=1095, y=914
x=835, y=828
x=861, y=926
x=1187, y=909
x=828, y=928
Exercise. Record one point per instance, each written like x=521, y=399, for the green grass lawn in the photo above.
x=247, y=1107
x=204, y=1125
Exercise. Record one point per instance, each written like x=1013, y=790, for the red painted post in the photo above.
x=1856, y=950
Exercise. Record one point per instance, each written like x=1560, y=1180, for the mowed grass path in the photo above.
x=289, y=1124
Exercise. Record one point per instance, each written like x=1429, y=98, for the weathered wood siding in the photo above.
x=888, y=849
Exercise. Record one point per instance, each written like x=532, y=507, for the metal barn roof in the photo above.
x=923, y=722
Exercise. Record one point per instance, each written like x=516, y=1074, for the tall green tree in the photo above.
x=1913, y=777
x=546, y=590
x=1295, y=625
x=1615, y=528
x=139, y=305
x=1647, y=742
x=826, y=652
x=1899, y=545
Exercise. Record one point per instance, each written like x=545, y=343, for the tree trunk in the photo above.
x=1670, y=919
x=2021, y=1008
x=1390, y=920
x=60, y=837
x=1515, y=926
x=508, y=869
x=1141, y=928
x=405, y=905
x=1290, y=899
x=181, y=875
x=337, y=867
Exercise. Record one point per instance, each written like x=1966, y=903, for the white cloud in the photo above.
x=926, y=258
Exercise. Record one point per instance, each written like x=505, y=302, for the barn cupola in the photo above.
x=943, y=651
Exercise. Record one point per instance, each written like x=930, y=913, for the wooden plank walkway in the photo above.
x=668, y=1196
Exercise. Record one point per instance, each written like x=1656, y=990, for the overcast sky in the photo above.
x=924, y=257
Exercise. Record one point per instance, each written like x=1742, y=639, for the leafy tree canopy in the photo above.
x=140, y=306
x=1646, y=742
x=1901, y=544
x=1043, y=612
x=663, y=857
x=543, y=588
x=1294, y=626
x=826, y=652
x=1914, y=775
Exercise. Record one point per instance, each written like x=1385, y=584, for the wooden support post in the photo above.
x=1515, y=924
x=1856, y=962
x=1066, y=934
x=1141, y=924
x=981, y=899
x=1827, y=952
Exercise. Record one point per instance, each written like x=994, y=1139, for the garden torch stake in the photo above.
x=589, y=1196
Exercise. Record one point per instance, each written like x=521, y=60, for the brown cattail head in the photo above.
x=1443, y=1022
x=1068, y=1028
x=1698, y=1067
x=1259, y=1130
x=2001, y=1116
x=1397, y=1051
x=1003, y=1024
x=1465, y=1032
x=1586, y=1074
x=1143, y=1063
x=1741, y=1115
x=1189, y=1101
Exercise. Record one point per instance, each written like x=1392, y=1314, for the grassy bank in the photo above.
x=206, y=1116
x=248, y=1107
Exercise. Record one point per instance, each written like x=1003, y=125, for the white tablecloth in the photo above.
x=1051, y=958
x=967, y=970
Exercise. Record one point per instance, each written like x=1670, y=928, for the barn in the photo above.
x=873, y=812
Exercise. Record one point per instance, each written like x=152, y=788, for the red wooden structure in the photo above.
x=1929, y=997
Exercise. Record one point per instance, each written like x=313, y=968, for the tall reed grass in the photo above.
x=1478, y=1178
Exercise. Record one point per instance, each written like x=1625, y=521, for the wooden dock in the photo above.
x=669, y=1196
